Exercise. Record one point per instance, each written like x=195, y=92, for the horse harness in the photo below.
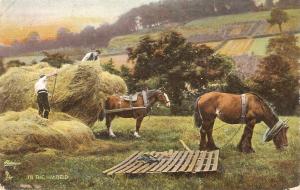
x=244, y=102
x=133, y=98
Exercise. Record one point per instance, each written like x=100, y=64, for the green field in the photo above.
x=208, y=25
x=265, y=169
x=259, y=46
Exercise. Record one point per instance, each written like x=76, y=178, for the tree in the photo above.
x=15, y=63
x=110, y=67
x=174, y=64
x=276, y=81
x=286, y=47
x=127, y=76
x=279, y=17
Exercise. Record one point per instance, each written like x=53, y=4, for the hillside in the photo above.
x=214, y=29
x=237, y=34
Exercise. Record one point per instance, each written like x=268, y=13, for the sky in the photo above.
x=19, y=17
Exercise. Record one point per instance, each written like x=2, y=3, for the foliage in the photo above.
x=235, y=85
x=285, y=46
x=15, y=63
x=278, y=73
x=174, y=64
x=278, y=83
x=110, y=67
x=127, y=76
x=279, y=17
x=56, y=59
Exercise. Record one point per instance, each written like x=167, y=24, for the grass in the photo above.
x=265, y=169
x=259, y=46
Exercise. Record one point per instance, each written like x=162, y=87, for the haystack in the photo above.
x=27, y=131
x=80, y=89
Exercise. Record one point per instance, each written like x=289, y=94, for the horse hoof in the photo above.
x=202, y=147
x=112, y=135
x=213, y=148
x=248, y=150
x=136, y=135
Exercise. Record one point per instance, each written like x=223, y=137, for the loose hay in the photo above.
x=27, y=131
x=80, y=89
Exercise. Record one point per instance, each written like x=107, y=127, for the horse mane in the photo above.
x=150, y=93
x=267, y=104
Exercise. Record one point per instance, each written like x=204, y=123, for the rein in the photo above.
x=272, y=132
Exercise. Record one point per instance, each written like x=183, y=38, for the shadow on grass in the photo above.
x=124, y=136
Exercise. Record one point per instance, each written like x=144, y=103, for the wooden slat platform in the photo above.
x=168, y=162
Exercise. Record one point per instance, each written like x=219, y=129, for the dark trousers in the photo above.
x=43, y=103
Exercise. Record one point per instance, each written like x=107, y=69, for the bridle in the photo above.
x=272, y=132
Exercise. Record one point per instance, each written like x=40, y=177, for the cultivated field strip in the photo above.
x=167, y=162
x=236, y=47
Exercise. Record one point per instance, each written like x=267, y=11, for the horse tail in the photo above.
x=102, y=112
x=197, y=115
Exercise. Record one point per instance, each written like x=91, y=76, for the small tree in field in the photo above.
x=279, y=17
x=277, y=82
x=110, y=67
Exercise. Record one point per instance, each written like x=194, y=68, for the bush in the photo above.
x=56, y=59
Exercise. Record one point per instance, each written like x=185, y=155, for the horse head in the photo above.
x=278, y=134
x=280, y=139
x=162, y=98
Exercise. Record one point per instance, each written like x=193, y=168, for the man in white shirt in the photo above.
x=92, y=56
x=42, y=95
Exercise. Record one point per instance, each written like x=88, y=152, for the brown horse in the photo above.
x=234, y=109
x=117, y=102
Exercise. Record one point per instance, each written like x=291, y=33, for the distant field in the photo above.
x=266, y=169
x=236, y=47
x=259, y=46
x=118, y=60
x=118, y=44
x=212, y=24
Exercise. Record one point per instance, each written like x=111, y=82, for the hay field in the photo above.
x=266, y=169
x=236, y=47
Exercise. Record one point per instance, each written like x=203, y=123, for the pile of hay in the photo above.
x=80, y=89
x=27, y=131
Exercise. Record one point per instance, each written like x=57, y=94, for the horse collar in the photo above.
x=244, y=102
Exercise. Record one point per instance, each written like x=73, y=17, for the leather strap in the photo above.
x=145, y=98
x=244, y=107
x=270, y=133
x=130, y=100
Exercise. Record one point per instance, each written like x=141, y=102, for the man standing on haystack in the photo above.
x=42, y=95
x=92, y=56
